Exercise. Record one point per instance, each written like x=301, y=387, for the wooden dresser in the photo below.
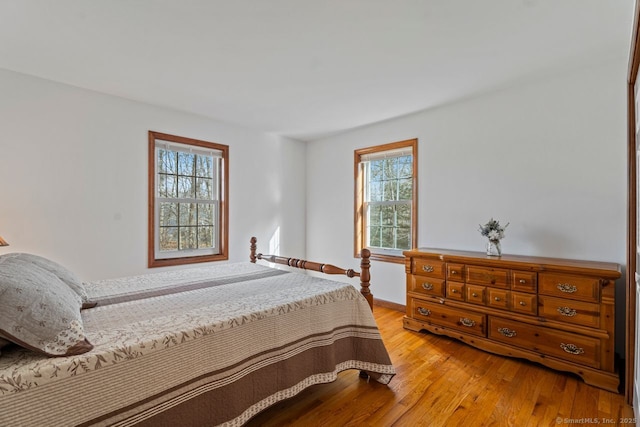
x=556, y=312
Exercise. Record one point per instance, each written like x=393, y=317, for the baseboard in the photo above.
x=388, y=304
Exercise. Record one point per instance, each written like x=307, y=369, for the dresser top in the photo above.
x=522, y=262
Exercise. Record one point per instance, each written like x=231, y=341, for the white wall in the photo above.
x=548, y=156
x=73, y=177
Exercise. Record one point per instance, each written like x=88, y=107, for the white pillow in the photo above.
x=64, y=274
x=39, y=311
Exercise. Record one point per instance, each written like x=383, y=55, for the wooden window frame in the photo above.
x=223, y=215
x=359, y=221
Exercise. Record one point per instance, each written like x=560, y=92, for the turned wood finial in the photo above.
x=253, y=249
x=365, y=276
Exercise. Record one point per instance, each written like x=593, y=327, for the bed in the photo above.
x=200, y=346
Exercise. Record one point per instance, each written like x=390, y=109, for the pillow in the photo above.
x=59, y=271
x=39, y=311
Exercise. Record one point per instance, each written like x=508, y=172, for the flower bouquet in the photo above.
x=493, y=231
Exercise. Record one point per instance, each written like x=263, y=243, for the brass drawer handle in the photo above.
x=467, y=322
x=567, y=288
x=427, y=268
x=427, y=286
x=509, y=333
x=474, y=294
x=497, y=298
x=522, y=281
x=454, y=291
x=453, y=272
x=566, y=311
x=570, y=348
x=424, y=311
x=522, y=303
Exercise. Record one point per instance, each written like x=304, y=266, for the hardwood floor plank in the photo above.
x=443, y=382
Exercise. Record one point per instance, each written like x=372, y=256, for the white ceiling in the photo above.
x=307, y=68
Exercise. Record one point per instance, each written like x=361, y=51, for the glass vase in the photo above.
x=494, y=248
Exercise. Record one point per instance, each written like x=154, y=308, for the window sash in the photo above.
x=213, y=200
x=369, y=224
x=368, y=204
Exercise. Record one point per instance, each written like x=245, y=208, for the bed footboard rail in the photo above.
x=363, y=274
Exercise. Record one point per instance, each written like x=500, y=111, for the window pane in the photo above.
x=166, y=185
x=186, y=163
x=403, y=236
x=375, y=191
x=167, y=161
x=205, y=237
x=205, y=214
x=388, y=215
x=375, y=170
x=403, y=216
x=204, y=166
x=390, y=168
x=387, y=237
x=187, y=214
x=188, y=238
x=204, y=190
x=186, y=187
x=374, y=236
x=168, y=214
x=168, y=238
x=391, y=190
x=405, y=189
x=374, y=215
x=405, y=166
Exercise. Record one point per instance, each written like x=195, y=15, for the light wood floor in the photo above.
x=442, y=382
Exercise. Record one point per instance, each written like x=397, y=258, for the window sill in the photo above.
x=397, y=259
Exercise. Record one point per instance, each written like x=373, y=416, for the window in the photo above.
x=386, y=199
x=188, y=203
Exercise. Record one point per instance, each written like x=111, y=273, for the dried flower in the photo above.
x=493, y=230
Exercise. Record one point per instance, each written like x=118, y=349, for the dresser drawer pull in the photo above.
x=454, y=291
x=427, y=286
x=427, y=268
x=566, y=311
x=522, y=303
x=497, y=298
x=474, y=295
x=522, y=281
x=424, y=311
x=567, y=288
x=509, y=333
x=467, y=322
x=453, y=272
x=570, y=348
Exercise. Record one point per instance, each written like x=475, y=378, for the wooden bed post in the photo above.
x=365, y=276
x=253, y=249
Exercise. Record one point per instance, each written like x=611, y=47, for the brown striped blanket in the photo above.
x=200, y=346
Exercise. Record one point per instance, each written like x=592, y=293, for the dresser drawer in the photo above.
x=427, y=285
x=455, y=290
x=546, y=341
x=524, y=281
x=569, y=286
x=498, y=298
x=497, y=277
x=524, y=303
x=570, y=311
x=428, y=267
x=448, y=317
x=475, y=294
x=455, y=272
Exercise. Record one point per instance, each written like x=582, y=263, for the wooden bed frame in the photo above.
x=364, y=274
